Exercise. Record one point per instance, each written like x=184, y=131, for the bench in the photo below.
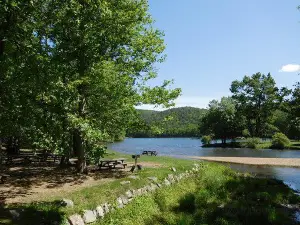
x=112, y=163
x=150, y=153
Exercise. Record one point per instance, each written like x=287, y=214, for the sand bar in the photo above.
x=291, y=162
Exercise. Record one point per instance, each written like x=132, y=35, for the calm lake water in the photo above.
x=181, y=147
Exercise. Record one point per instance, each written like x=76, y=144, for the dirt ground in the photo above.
x=30, y=183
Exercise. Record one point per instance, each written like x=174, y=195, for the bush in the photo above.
x=206, y=140
x=252, y=143
x=280, y=141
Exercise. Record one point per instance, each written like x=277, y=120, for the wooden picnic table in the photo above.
x=150, y=153
x=112, y=163
x=30, y=157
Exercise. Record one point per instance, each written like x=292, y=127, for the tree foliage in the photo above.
x=176, y=122
x=280, y=141
x=257, y=98
x=222, y=120
x=72, y=71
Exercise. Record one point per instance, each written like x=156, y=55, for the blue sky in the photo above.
x=210, y=43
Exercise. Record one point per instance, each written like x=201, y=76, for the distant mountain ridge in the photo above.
x=175, y=122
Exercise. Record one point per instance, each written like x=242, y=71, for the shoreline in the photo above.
x=284, y=162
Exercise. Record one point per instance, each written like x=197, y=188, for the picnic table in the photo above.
x=30, y=157
x=150, y=153
x=112, y=163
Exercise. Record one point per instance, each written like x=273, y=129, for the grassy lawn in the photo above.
x=215, y=195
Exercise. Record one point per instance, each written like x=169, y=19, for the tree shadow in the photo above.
x=49, y=213
x=23, y=179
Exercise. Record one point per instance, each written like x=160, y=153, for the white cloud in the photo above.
x=182, y=101
x=290, y=68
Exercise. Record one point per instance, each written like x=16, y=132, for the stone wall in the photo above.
x=91, y=215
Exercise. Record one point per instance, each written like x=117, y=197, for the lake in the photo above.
x=181, y=147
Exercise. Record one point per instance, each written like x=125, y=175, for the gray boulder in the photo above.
x=139, y=191
x=100, y=211
x=105, y=207
x=153, y=187
x=124, y=200
x=120, y=203
x=134, y=177
x=129, y=194
x=89, y=216
x=67, y=203
x=125, y=182
x=158, y=185
x=167, y=182
x=76, y=220
x=154, y=179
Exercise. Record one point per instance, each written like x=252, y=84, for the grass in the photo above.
x=216, y=195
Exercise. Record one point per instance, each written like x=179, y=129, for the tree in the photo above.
x=257, y=98
x=86, y=66
x=294, y=115
x=222, y=120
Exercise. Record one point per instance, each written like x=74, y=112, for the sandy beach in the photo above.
x=291, y=162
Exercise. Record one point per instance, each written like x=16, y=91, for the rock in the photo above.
x=125, y=182
x=67, y=203
x=129, y=194
x=134, y=193
x=154, y=179
x=124, y=199
x=89, y=216
x=158, y=185
x=148, y=188
x=120, y=203
x=144, y=190
x=139, y=192
x=100, y=211
x=171, y=178
x=153, y=187
x=105, y=207
x=76, y=220
x=166, y=182
x=134, y=177
x=221, y=206
x=15, y=214
x=173, y=169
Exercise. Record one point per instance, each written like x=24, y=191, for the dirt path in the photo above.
x=290, y=162
x=29, y=184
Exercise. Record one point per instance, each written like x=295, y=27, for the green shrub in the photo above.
x=246, y=133
x=206, y=139
x=252, y=143
x=280, y=141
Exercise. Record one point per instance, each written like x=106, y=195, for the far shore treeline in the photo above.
x=257, y=108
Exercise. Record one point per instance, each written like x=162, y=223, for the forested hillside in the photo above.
x=176, y=122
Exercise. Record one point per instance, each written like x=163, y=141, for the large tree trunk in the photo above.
x=79, y=149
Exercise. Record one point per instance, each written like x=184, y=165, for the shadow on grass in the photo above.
x=239, y=201
x=49, y=213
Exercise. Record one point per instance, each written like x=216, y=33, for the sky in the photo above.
x=210, y=43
